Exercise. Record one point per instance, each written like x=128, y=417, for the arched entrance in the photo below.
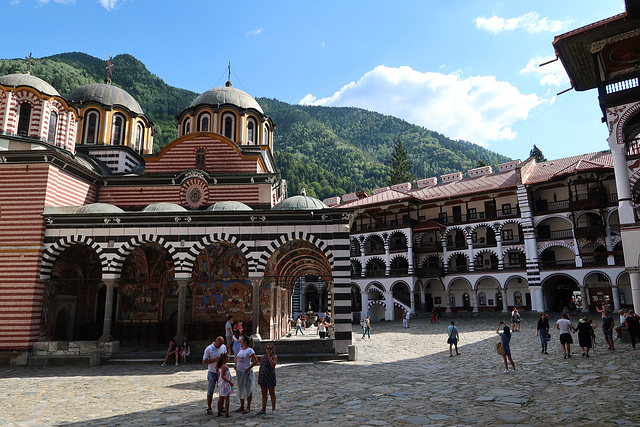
x=146, y=285
x=599, y=292
x=71, y=297
x=220, y=288
x=558, y=291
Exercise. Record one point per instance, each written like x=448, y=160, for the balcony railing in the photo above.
x=430, y=272
x=483, y=267
x=374, y=273
x=425, y=249
x=384, y=225
x=513, y=240
x=592, y=231
x=594, y=261
x=399, y=272
x=515, y=266
x=541, y=206
x=477, y=216
x=484, y=243
x=457, y=245
x=554, y=265
x=555, y=234
x=458, y=269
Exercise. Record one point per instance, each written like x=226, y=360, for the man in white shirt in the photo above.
x=566, y=328
x=210, y=358
x=228, y=332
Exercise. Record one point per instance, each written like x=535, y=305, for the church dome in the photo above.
x=300, y=203
x=98, y=208
x=227, y=95
x=164, y=207
x=107, y=95
x=229, y=205
x=37, y=83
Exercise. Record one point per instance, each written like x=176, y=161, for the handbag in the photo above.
x=500, y=349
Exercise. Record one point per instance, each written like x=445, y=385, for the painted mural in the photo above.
x=147, y=274
x=296, y=258
x=221, y=286
x=266, y=302
x=76, y=273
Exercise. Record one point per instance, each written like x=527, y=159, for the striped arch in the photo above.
x=189, y=260
x=615, y=240
x=487, y=251
x=456, y=227
x=633, y=179
x=622, y=122
x=356, y=261
x=54, y=250
x=501, y=225
x=439, y=256
x=377, y=301
x=121, y=255
x=552, y=244
x=584, y=242
x=261, y=262
x=375, y=257
x=372, y=287
x=564, y=216
x=453, y=254
x=399, y=256
x=591, y=273
x=610, y=214
x=406, y=236
x=383, y=236
x=483, y=224
x=513, y=248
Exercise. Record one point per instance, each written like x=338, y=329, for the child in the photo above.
x=225, y=386
x=237, y=345
x=185, y=351
x=238, y=327
x=267, y=379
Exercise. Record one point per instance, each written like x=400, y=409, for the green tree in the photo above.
x=536, y=153
x=400, y=165
x=481, y=163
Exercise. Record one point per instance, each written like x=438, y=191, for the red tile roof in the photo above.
x=546, y=171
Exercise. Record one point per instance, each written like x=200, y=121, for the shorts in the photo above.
x=453, y=341
x=608, y=334
x=229, y=343
x=566, y=339
x=212, y=379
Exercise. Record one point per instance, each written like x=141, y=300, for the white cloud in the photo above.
x=552, y=74
x=477, y=109
x=254, y=32
x=55, y=1
x=531, y=22
x=110, y=4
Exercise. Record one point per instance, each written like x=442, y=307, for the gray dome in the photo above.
x=105, y=94
x=229, y=205
x=227, y=95
x=164, y=207
x=16, y=80
x=298, y=203
x=103, y=208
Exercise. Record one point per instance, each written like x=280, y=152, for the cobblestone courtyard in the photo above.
x=402, y=377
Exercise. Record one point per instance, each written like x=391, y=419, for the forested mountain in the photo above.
x=328, y=150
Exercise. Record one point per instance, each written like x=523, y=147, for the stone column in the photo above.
x=387, y=258
x=105, y=129
x=413, y=303
x=255, y=319
x=474, y=294
x=505, y=301
x=410, y=256
x=44, y=110
x=610, y=258
x=182, y=299
x=499, y=248
x=585, y=298
x=634, y=276
x=388, y=312
x=537, y=299
x=616, y=298
x=362, y=260
x=445, y=254
x=447, y=302
x=67, y=143
x=472, y=259
x=108, y=311
x=215, y=124
x=625, y=207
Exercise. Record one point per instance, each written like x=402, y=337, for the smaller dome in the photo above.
x=227, y=95
x=164, y=207
x=102, y=208
x=17, y=80
x=107, y=95
x=229, y=205
x=299, y=203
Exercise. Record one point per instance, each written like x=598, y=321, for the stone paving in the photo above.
x=402, y=377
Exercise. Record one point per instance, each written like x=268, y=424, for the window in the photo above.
x=515, y=258
x=472, y=213
x=474, y=237
x=24, y=119
x=265, y=135
x=203, y=122
x=53, y=125
x=201, y=158
x=517, y=298
x=228, y=123
x=621, y=296
x=507, y=235
x=442, y=216
x=117, y=130
x=482, y=298
x=506, y=209
x=251, y=127
x=139, y=144
x=452, y=300
x=186, y=126
x=91, y=127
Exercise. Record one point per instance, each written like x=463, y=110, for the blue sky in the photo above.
x=467, y=69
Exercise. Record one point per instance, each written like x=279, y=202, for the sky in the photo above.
x=465, y=68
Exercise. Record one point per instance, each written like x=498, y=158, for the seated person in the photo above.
x=172, y=350
x=185, y=351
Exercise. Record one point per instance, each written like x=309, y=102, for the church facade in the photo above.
x=101, y=241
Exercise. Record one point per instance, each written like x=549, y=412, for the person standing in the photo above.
x=366, y=327
x=408, y=317
x=267, y=379
x=607, y=328
x=543, y=331
x=584, y=335
x=238, y=327
x=453, y=338
x=225, y=385
x=566, y=328
x=515, y=320
x=322, y=328
x=299, y=325
x=505, y=338
x=404, y=320
x=228, y=332
x=245, y=360
x=633, y=326
x=211, y=355
x=434, y=316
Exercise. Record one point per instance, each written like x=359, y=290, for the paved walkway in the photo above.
x=403, y=377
